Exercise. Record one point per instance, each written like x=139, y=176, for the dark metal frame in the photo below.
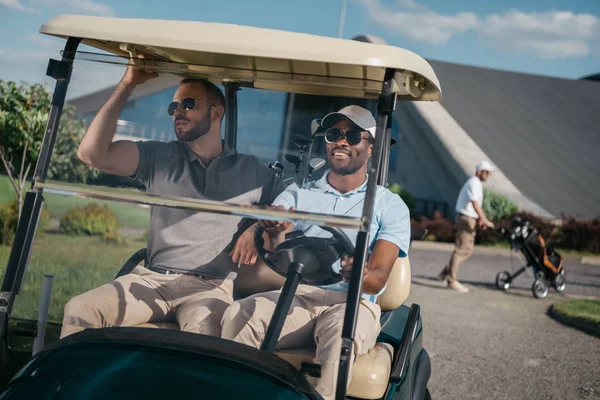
x=21, y=249
x=385, y=107
x=231, y=89
x=34, y=200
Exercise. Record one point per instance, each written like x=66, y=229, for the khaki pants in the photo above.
x=315, y=317
x=465, y=241
x=145, y=296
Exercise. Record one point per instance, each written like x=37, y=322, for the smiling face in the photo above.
x=345, y=159
x=192, y=124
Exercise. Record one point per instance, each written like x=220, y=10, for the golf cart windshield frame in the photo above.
x=61, y=71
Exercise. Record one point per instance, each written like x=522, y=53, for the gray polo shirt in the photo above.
x=191, y=240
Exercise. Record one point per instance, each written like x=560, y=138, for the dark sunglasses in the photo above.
x=353, y=136
x=188, y=104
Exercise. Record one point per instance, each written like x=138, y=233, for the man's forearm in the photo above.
x=99, y=136
x=479, y=210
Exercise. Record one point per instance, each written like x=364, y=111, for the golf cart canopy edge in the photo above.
x=264, y=59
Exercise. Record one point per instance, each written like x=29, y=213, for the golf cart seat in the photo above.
x=371, y=371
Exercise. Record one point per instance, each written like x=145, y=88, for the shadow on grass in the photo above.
x=581, y=324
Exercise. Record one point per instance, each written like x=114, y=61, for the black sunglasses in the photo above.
x=353, y=136
x=188, y=104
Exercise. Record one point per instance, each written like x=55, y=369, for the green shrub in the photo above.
x=579, y=235
x=8, y=223
x=497, y=206
x=405, y=195
x=9, y=218
x=89, y=220
x=113, y=238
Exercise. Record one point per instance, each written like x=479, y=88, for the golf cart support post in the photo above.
x=386, y=105
x=34, y=200
x=295, y=63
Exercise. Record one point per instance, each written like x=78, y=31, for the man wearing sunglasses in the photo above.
x=316, y=314
x=191, y=255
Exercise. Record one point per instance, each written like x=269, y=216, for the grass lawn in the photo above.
x=586, y=309
x=58, y=205
x=78, y=264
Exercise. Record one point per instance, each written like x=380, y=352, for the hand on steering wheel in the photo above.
x=315, y=254
x=346, y=263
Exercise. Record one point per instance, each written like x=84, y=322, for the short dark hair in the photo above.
x=214, y=94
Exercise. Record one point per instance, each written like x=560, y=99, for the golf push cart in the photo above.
x=145, y=363
x=545, y=263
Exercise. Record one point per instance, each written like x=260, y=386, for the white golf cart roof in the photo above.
x=261, y=58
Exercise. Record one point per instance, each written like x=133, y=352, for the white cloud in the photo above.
x=418, y=23
x=15, y=5
x=548, y=35
x=411, y=5
x=12, y=4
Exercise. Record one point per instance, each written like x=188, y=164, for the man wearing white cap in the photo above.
x=316, y=313
x=469, y=214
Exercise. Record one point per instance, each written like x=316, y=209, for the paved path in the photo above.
x=489, y=344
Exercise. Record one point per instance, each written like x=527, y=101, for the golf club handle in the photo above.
x=294, y=276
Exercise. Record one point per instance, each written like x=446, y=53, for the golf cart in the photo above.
x=140, y=362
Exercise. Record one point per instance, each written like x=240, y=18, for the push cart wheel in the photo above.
x=503, y=280
x=560, y=283
x=540, y=288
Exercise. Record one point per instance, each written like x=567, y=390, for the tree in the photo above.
x=24, y=112
x=23, y=116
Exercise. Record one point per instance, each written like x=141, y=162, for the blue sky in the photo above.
x=548, y=37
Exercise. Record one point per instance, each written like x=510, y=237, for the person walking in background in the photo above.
x=469, y=214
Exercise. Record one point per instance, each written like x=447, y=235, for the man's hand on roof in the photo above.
x=135, y=75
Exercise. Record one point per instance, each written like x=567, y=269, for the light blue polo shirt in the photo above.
x=390, y=221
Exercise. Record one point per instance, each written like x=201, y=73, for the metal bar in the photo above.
x=21, y=249
x=361, y=87
x=519, y=272
x=255, y=212
x=289, y=115
x=402, y=357
x=58, y=101
x=42, y=321
x=284, y=302
x=385, y=108
x=231, y=120
x=382, y=179
x=340, y=32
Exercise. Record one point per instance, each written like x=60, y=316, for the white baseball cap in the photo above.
x=360, y=116
x=485, y=166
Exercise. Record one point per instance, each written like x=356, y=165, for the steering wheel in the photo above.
x=317, y=255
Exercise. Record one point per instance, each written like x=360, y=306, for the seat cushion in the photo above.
x=370, y=372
